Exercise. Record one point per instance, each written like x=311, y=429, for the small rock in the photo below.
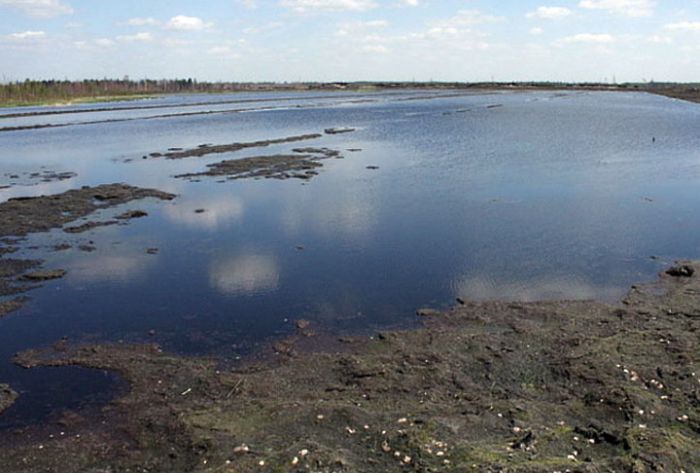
x=681, y=271
x=199, y=211
x=372, y=167
x=303, y=324
x=152, y=251
x=241, y=449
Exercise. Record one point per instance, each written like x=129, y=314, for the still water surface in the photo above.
x=504, y=195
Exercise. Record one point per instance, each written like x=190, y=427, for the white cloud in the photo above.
x=273, y=25
x=187, y=23
x=359, y=27
x=465, y=18
x=223, y=51
x=144, y=36
x=304, y=6
x=550, y=13
x=657, y=39
x=632, y=8
x=411, y=3
x=39, y=8
x=589, y=38
x=376, y=48
x=24, y=35
x=536, y=31
x=104, y=42
x=684, y=26
x=141, y=22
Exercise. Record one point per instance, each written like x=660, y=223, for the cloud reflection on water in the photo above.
x=245, y=274
x=529, y=290
x=110, y=268
x=215, y=212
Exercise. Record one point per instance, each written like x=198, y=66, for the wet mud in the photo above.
x=485, y=387
x=279, y=166
x=33, y=178
x=7, y=397
x=206, y=149
x=23, y=215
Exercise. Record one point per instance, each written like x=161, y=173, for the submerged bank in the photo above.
x=494, y=386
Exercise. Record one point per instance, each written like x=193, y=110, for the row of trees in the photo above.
x=42, y=91
x=30, y=91
x=45, y=91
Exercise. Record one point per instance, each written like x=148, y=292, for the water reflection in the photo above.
x=208, y=213
x=561, y=287
x=245, y=274
x=110, y=268
x=350, y=214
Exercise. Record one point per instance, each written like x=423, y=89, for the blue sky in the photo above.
x=329, y=40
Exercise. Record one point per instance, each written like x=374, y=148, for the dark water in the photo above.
x=509, y=195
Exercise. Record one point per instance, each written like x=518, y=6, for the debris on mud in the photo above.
x=7, y=397
x=205, y=149
x=486, y=386
x=279, y=166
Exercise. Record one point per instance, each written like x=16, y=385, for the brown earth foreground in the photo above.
x=493, y=386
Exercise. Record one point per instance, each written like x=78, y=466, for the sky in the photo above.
x=352, y=40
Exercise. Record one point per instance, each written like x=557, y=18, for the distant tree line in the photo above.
x=51, y=91
x=30, y=91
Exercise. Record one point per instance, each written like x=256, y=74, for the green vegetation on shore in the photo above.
x=51, y=92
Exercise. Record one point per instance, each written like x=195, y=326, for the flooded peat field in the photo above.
x=348, y=210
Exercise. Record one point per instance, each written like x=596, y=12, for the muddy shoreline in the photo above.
x=493, y=386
